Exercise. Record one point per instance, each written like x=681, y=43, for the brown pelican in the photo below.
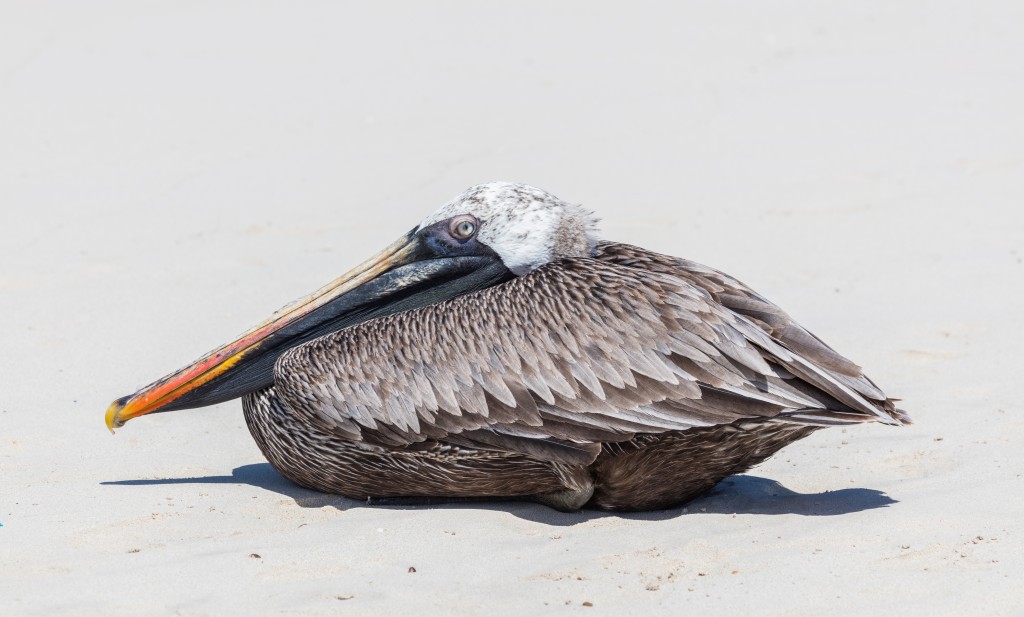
x=499, y=349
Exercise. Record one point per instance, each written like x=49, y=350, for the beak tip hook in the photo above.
x=112, y=417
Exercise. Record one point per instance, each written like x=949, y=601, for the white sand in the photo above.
x=170, y=176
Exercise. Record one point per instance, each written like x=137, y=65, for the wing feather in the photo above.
x=575, y=354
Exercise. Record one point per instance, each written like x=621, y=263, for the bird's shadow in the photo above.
x=742, y=494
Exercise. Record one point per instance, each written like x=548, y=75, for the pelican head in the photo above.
x=485, y=236
x=525, y=226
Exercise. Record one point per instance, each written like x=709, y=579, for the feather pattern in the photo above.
x=578, y=353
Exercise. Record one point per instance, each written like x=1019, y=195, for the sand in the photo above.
x=170, y=173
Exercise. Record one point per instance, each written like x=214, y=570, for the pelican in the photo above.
x=500, y=349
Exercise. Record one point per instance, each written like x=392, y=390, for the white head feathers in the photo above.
x=526, y=226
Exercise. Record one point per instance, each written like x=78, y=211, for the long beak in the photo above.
x=208, y=381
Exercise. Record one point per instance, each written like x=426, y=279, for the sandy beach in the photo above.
x=171, y=173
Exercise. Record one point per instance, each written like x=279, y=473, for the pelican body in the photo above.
x=501, y=350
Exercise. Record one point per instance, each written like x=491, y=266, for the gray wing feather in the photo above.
x=576, y=354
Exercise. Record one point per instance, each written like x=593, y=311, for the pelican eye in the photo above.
x=464, y=228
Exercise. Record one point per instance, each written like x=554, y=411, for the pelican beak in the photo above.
x=405, y=275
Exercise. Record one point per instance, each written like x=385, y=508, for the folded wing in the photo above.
x=576, y=354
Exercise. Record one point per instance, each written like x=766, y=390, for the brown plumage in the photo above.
x=498, y=350
x=626, y=380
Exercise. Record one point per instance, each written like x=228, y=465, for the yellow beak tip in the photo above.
x=113, y=417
